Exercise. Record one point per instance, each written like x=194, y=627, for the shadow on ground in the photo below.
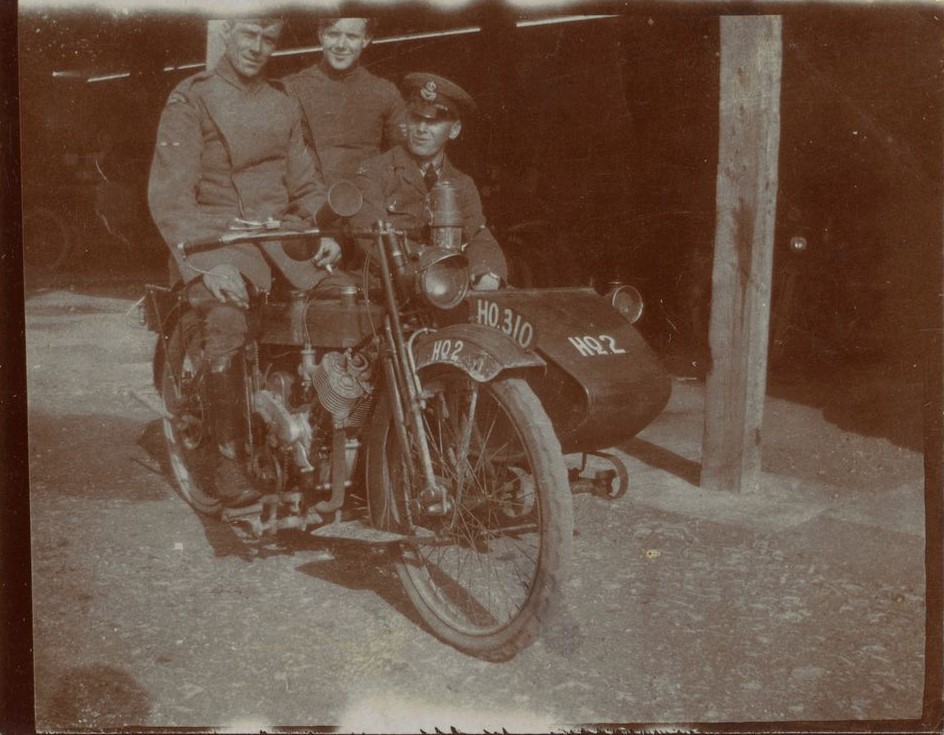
x=357, y=566
x=664, y=459
x=97, y=697
x=879, y=396
x=876, y=400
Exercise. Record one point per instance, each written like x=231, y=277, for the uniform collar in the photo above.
x=341, y=76
x=404, y=160
x=224, y=69
x=438, y=165
x=410, y=171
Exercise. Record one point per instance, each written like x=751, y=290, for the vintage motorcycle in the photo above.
x=445, y=412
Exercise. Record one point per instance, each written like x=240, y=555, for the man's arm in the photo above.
x=175, y=174
x=307, y=193
x=304, y=180
x=294, y=86
x=394, y=120
x=484, y=253
x=370, y=180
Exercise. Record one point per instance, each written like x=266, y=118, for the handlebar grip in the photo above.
x=199, y=246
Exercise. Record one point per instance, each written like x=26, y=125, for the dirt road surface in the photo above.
x=803, y=601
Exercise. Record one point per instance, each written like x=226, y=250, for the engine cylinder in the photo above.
x=337, y=380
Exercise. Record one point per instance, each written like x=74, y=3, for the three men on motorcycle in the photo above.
x=231, y=154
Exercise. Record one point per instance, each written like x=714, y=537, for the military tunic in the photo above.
x=394, y=190
x=351, y=116
x=228, y=149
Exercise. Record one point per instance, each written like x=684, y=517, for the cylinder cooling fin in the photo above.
x=339, y=382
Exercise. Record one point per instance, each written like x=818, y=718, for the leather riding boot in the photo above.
x=224, y=393
x=225, y=396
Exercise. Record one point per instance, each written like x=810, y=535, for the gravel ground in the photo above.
x=801, y=602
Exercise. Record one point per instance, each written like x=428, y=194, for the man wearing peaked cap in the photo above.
x=430, y=94
x=395, y=184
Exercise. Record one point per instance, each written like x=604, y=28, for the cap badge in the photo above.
x=428, y=92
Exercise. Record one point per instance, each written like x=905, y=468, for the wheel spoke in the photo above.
x=491, y=576
x=483, y=579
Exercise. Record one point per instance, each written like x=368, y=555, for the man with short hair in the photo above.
x=351, y=114
x=231, y=155
x=396, y=184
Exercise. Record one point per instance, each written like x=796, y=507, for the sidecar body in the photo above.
x=602, y=383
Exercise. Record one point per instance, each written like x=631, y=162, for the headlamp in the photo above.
x=442, y=277
x=626, y=300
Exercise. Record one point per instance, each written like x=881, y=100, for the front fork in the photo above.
x=405, y=394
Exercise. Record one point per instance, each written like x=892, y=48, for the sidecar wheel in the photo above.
x=190, y=452
x=487, y=574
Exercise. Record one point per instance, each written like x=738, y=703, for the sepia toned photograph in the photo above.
x=481, y=367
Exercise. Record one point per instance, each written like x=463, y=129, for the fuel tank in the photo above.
x=333, y=323
x=603, y=383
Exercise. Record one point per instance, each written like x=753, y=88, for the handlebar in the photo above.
x=233, y=237
x=343, y=200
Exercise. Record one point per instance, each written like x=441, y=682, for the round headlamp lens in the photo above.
x=627, y=301
x=445, y=282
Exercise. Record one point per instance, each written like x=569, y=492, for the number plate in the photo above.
x=465, y=355
x=505, y=319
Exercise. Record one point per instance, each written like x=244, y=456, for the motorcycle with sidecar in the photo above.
x=412, y=413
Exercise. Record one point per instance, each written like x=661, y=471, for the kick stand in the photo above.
x=609, y=483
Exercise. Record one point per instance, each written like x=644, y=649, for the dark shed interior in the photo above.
x=603, y=127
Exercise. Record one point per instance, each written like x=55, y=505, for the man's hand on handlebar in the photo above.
x=226, y=284
x=486, y=282
x=329, y=253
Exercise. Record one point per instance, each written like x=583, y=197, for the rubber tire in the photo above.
x=181, y=341
x=553, y=497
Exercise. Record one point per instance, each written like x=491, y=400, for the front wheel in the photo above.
x=492, y=539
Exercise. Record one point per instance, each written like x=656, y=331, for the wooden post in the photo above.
x=934, y=528
x=751, y=62
x=932, y=706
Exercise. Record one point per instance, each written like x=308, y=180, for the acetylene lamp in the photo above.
x=626, y=300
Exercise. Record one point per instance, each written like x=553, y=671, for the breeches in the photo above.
x=226, y=327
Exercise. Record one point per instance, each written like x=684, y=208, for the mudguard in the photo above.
x=603, y=383
x=163, y=307
x=480, y=352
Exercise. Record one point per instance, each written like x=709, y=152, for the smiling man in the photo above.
x=396, y=184
x=351, y=114
x=230, y=155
